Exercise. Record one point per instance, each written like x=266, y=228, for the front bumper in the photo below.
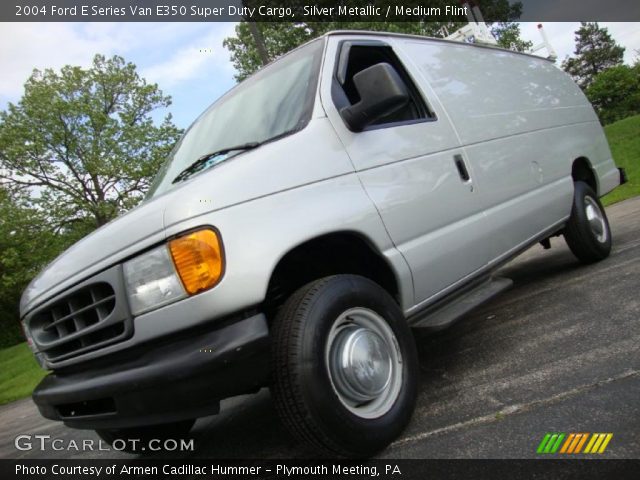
x=176, y=379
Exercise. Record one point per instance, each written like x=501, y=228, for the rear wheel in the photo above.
x=344, y=366
x=587, y=232
x=136, y=439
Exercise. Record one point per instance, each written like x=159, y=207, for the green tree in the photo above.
x=82, y=141
x=615, y=93
x=26, y=245
x=508, y=35
x=281, y=37
x=595, y=52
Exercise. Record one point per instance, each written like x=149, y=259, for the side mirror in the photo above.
x=381, y=91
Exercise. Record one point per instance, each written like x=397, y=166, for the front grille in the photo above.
x=87, y=318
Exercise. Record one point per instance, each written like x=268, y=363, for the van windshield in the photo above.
x=276, y=101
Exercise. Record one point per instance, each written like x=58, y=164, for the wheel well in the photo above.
x=581, y=171
x=332, y=254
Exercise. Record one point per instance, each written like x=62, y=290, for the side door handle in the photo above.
x=463, y=171
x=462, y=167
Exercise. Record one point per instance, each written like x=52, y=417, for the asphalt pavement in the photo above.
x=558, y=352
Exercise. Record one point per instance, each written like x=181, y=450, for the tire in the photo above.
x=346, y=412
x=127, y=436
x=587, y=232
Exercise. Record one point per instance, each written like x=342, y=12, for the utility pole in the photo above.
x=259, y=41
x=257, y=36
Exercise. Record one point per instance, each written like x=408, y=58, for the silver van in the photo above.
x=360, y=186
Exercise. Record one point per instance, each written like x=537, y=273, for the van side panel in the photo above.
x=492, y=93
x=521, y=122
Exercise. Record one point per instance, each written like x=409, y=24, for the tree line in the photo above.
x=79, y=148
x=598, y=68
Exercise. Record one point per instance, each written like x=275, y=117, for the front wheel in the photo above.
x=345, y=366
x=587, y=232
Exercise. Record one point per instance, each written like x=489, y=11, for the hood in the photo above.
x=308, y=156
x=137, y=229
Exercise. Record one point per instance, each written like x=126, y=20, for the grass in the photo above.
x=624, y=140
x=19, y=373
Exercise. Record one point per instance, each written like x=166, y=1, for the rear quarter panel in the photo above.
x=522, y=122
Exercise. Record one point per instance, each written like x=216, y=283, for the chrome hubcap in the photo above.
x=360, y=364
x=596, y=220
x=364, y=362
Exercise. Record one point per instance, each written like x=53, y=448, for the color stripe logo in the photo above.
x=573, y=443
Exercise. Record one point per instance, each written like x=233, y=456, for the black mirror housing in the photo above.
x=381, y=91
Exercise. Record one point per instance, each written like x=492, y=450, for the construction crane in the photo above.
x=477, y=31
x=551, y=53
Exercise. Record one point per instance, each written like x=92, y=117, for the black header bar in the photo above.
x=315, y=10
x=318, y=469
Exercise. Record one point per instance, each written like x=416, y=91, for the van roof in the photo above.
x=369, y=33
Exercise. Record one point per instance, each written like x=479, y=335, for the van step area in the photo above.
x=438, y=318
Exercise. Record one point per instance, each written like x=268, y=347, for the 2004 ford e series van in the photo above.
x=358, y=187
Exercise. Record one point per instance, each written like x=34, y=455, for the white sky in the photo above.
x=187, y=60
x=562, y=37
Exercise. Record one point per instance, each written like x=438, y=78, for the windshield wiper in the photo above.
x=201, y=161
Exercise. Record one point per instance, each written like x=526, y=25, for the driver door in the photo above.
x=413, y=168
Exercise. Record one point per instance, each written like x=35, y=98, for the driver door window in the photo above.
x=353, y=59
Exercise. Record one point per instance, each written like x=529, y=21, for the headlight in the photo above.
x=187, y=265
x=151, y=281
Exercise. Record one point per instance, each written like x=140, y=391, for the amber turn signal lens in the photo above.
x=198, y=259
